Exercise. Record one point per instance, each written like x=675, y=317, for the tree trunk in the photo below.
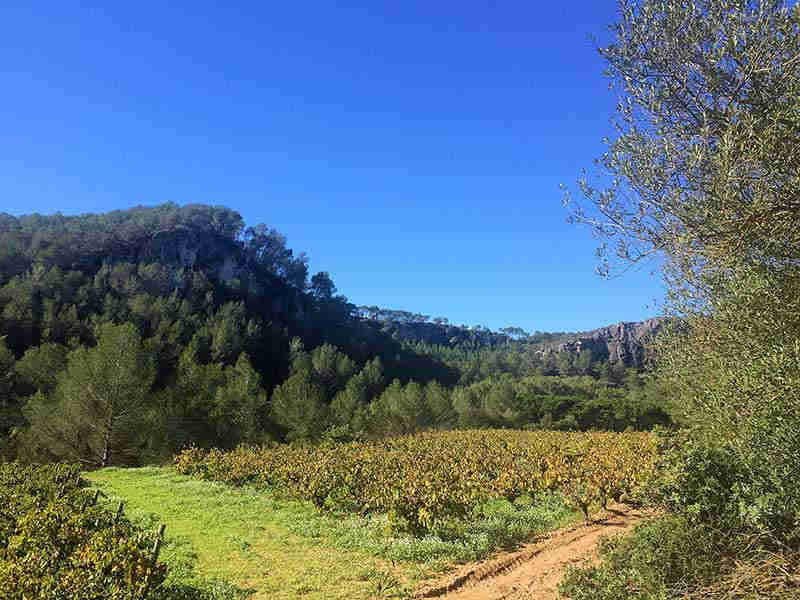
x=106, y=451
x=107, y=438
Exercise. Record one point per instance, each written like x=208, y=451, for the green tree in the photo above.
x=704, y=167
x=467, y=404
x=346, y=403
x=7, y=399
x=439, y=405
x=500, y=403
x=104, y=392
x=239, y=405
x=299, y=405
x=565, y=363
x=186, y=412
x=362, y=388
x=400, y=409
x=322, y=286
x=40, y=366
x=705, y=174
x=226, y=329
x=331, y=368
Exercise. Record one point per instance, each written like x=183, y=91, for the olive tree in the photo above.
x=704, y=172
x=704, y=165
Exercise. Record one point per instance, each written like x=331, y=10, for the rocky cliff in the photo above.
x=620, y=343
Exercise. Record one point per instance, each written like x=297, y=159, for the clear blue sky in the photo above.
x=413, y=149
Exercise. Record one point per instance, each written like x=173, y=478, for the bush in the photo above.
x=738, y=487
x=707, y=486
x=55, y=544
x=663, y=558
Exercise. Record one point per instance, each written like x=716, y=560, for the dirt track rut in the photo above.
x=533, y=571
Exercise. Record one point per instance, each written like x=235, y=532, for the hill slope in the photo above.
x=226, y=339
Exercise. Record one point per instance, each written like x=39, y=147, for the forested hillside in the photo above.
x=129, y=335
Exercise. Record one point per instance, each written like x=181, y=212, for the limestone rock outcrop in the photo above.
x=619, y=343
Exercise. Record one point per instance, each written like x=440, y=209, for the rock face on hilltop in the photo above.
x=620, y=343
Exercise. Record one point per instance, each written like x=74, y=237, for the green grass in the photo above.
x=271, y=547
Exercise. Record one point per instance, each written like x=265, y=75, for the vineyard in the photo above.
x=425, y=481
x=55, y=542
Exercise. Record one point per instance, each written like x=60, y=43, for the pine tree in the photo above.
x=103, y=393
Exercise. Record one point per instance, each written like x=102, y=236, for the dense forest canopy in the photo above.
x=214, y=334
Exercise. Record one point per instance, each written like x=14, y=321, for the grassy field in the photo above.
x=243, y=542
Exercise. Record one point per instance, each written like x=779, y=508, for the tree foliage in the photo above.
x=99, y=400
x=704, y=165
x=704, y=172
x=234, y=344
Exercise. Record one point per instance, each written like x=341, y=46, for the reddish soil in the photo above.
x=533, y=571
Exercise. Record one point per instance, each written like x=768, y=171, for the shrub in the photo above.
x=663, y=558
x=707, y=486
x=54, y=543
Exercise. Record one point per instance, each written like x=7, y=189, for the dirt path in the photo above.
x=532, y=572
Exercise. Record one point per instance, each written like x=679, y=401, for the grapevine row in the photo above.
x=424, y=480
x=55, y=542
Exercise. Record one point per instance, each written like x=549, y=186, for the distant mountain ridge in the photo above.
x=620, y=343
x=58, y=273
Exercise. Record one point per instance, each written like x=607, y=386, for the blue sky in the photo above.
x=413, y=149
